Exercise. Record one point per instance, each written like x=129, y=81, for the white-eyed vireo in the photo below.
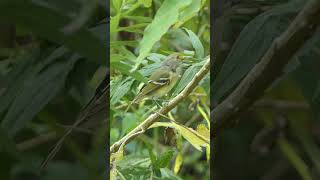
x=162, y=80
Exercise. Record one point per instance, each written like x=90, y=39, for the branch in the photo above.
x=164, y=110
x=95, y=108
x=281, y=104
x=270, y=66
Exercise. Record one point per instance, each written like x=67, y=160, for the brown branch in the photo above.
x=270, y=66
x=30, y=143
x=281, y=104
x=164, y=110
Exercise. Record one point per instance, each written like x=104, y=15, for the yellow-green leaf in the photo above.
x=203, y=130
x=178, y=163
x=192, y=136
x=165, y=17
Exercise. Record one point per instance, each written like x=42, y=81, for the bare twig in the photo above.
x=30, y=143
x=155, y=116
x=270, y=66
x=281, y=104
x=95, y=106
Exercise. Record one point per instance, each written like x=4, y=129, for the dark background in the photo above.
x=53, y=56
x=277, y=136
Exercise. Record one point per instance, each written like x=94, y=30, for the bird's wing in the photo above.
x=156, y=81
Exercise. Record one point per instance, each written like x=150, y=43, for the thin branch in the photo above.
x=281, y=104
x=30, y=143
x=270, y=67
x=164, y=110
x=95, y=106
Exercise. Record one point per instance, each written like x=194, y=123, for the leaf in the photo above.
x=196, y=43
x=136, y=28
x=139, y=18
x=15, y=78
x=152, y=156
x=116, y=58
x=164, y=159
x=8, y=146
x=124, y=43
x=120, y=90
x=293, y=157
x=203, y=113
x=187, y=77
x=51, y=28
x=135, y=167
x=117, y=4
x=165, y=17
x=203, y=130
x=306, y=76
x=178, y=163
x=253, y=41
x=114, y=23
x=189, y=12
x=192, y=136
x=125, y=69
x=62, y=170
x=36, y=91
x=146, y=3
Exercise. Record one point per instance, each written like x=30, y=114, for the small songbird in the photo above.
x=162, y=80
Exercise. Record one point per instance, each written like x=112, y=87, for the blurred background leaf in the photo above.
x=51, y=64
x=280, y=131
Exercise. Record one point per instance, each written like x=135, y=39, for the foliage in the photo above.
x=142, y=34
x=49, y=70
x=279, y=137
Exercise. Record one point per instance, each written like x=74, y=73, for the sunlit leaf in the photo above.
x=178, y=163
x=165, y=17
x=192, y=136
x=189, y=12
x=196, y=43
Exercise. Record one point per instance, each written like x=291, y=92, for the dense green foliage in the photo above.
x=52, y=58
x=278, y=137
x=142, y=34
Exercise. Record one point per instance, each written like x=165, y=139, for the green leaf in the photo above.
x=189, y=12
x=253, y=41
x=140, y=19
x=294, y=158
x=196, y=43
x=152, y=156
x=192, y=136
x=64, y=171
x=166, y=16
x=117, y=4
x=178, y=163
x=51, y=28
x=306, y=77
x=15, y=78
x=124, y=43
x=146, y=3
x=136, y=28
x=120, y=90
x=164, y=159
x=114, y=23
x=135, y=167
x=41, y=83
x=125, y=69
x=187, y=77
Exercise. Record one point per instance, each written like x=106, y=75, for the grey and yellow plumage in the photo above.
x=162, y=80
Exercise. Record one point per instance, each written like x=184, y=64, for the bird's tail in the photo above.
x=136, y=100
